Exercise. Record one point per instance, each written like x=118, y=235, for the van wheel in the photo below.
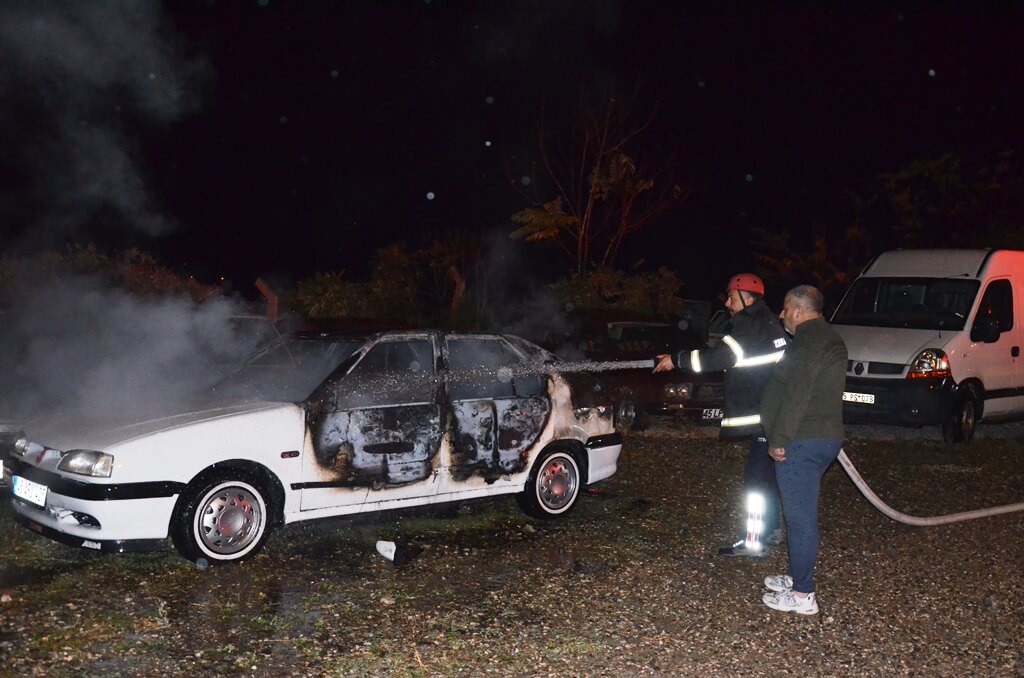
x=960, y=426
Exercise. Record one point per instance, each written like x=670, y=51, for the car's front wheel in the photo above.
x=961, y=424
x=553, y=486
x=222, y=517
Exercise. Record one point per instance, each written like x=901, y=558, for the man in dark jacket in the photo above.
x=753, y=343
x=802, y=415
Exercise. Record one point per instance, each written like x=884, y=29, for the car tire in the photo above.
x=961, y=424
x=553, y=485
x=222, y=517
x=629, y=414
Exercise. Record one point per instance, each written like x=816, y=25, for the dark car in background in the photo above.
x=637, y=392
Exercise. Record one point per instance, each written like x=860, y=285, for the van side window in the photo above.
x=997, y=304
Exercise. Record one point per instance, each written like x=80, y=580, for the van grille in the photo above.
x=885, y=368
x=874, y=368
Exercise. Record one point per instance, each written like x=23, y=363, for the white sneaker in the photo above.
x=787, y=601
x=779, y=582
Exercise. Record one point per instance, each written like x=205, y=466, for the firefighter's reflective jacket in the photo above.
x=754, y=342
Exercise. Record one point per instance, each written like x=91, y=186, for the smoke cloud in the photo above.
x=104, y=354
x=80, y=81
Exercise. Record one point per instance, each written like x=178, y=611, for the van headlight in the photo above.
x=87, y=463
x=930, y=362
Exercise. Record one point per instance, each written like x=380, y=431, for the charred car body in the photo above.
x=322, y=426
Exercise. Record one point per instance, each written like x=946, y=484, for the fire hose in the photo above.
x=919, y=520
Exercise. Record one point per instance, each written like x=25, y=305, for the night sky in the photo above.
x=277, y=139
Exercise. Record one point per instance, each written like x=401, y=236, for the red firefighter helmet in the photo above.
x=747, y=282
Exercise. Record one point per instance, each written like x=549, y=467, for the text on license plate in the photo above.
x=711, y=413
x=866, y=398
x=29, y=491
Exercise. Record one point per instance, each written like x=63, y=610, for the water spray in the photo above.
x=606, y=366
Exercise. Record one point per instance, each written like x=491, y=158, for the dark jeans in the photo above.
x=800, y=485
x=759, y=476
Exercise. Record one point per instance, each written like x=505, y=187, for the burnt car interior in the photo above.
x=379, y=419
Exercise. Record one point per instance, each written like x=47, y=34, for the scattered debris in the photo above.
x=398, y=555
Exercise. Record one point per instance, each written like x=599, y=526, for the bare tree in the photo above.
x=600, y=196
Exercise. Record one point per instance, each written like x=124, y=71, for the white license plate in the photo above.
x=865, y=398
x=30, y=491
x=711, y=413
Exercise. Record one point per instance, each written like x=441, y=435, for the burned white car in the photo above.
x=322, y=426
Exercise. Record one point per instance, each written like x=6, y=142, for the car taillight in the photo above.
x=930, y=362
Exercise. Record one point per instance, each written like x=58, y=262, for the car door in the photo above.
x=378, y=426
x=499, y=410
x=997, y=364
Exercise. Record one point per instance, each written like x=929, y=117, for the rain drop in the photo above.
x=525, y=181
x=700, y=83
x=931, y=72
x=504, y=375
x=284, y=119
x=749, y=178
x=334, y=74
x=152, y=76
x=489, y=100
x=202, y=563
x=487, y=144
x=414, y=366
x=430, y=195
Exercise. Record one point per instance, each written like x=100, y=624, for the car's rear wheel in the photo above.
x=222, y=518
x=553, y=486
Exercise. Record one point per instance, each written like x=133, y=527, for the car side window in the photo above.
x=479, y=368
x=391, y=373
x=997, y=305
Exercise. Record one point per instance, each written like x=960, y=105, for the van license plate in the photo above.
x=865, y=398
x=711, y=413
x=29, y=491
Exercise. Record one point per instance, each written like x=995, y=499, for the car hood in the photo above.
x=64, y=433
x=888, y=344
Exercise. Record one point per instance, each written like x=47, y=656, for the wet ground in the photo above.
x=628, y=584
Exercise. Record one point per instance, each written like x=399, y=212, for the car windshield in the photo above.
x=915, y=303
x=287, y=369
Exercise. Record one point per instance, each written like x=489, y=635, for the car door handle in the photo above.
x=1015, y=351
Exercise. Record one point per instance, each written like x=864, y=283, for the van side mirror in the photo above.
x=985, y=330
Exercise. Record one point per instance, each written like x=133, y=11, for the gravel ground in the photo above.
x=626, y=585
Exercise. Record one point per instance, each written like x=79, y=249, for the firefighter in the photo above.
x=753, y=343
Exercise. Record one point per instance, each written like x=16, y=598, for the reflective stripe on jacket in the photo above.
x=754, y=342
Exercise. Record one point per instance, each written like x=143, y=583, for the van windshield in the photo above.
x=916, y=303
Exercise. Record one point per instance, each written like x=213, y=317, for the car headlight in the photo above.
x=23, y=446
x=673, y=391
x=930, y=362
x=87, y=463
